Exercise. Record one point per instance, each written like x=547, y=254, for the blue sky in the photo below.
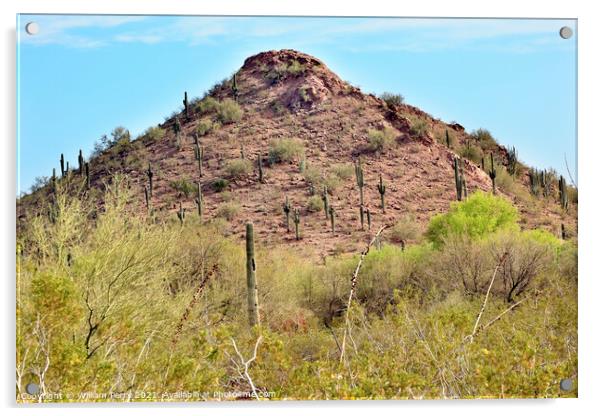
x=82, y=75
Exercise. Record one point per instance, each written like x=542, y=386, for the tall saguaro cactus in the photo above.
x=147, y=200
x=63, y=172
x=325, y=201
x=331, y=213
x=297, y=220
x=199, y=200
x=150, y=174
x=185, y=102
x=381, y=190
x=564, y=198
x=252, y=296
x=447, y=139
x=459, y=179
x=359, y=178
x=512, y=161
x=492, y=174
x=234, y=88
x=80, y=162
x=198, y=156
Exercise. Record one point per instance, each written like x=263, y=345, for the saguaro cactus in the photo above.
x=150, y=174
x=564, y=198
x=359, y=178
x=185, y=102
x=325, y=201
x=297, y=220
x=260, y=167
x=458, y=179
x=381, y=190
x=332, y=215
x=198, y=155
x=252, y=296
x=286, y=207
x=234, y=88
x=492, y=174
x=181, y=214
x=62, y=166
x=369, y=218
x=562, y=232
x=447, y=139
x=147, y=199
x=80, y=162
x=199, y=200
x=53, y=181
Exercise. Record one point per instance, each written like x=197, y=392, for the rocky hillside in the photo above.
x=308, y=127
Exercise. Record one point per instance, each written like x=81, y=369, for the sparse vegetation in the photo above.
x=314, y=203
x=220, y=184
x=381, y=140
x=419, y=128
x=229, y=112
x=391, y=99
x=228, y=210
x=238, y=168
x=183, y=187
x=286, y=150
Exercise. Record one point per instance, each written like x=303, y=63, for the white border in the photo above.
x=590, y=151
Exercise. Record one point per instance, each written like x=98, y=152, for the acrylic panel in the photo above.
x=293, y=208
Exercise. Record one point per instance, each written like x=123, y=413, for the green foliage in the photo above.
x=484, y=140
x=153, y=134
x=381, y=140
x=472, y=153
x=391, y=99
x=314, y=203
x=220, y=184
x=281, y=71
x=342, y=171
x=134, y=281
x=206, y=126
x=479, y=215
x=228, y=210
x=183, y=186
x=238, y=168
x=229, y=112
x=419, y=128
x=208, y=105
x=286, y=150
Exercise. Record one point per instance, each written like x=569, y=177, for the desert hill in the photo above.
x=307, y=128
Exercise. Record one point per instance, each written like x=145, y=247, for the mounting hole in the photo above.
x=566, y=384
x=566, y=32
x=32, y=388
x=32, y=28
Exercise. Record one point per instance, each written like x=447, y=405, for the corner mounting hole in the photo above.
x=32, y=28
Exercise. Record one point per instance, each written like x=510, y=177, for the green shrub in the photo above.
x=342, y=171
x=295, y=68
x=205, y=127
x=183, y=186
x=479, y=215
x=405, y=230
x=229, y=111
x=153, y=134
x=208, y=105
x=238, y=168
x=391, y=99
x=228, y=210
x=472, y=153
x=220, y=184
x=315, y=203
x=484, y=139
x=286, y=150
x=419, y=128
x=381, y=140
